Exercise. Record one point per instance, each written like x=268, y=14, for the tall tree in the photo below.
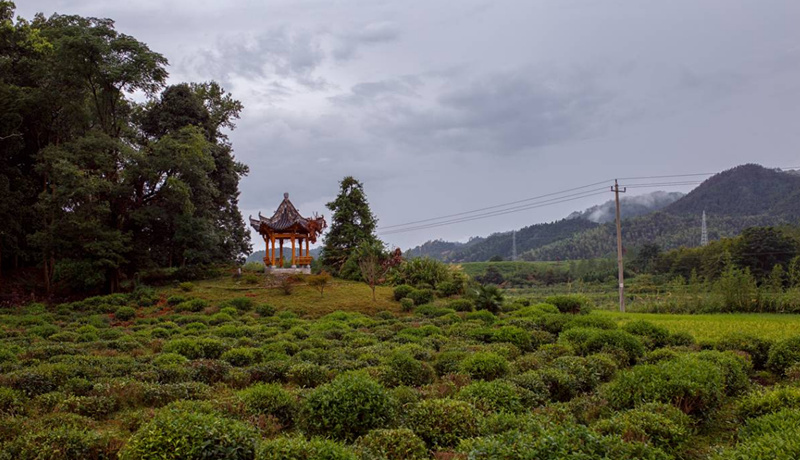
x=352, y=224
x=95, y=186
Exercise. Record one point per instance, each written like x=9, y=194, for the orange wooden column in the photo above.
x=293, y=248
x=306, y=247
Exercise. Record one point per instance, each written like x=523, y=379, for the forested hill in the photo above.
x=500, y=244
x=529, y=238
x=741, y=197
x=745, y=196
x=746, y=190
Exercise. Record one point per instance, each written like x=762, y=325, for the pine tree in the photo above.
x=351, y=225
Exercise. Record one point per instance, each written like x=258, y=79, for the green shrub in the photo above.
x=432, y=311
x=308, y=375
x=573, y=304
x=186, y=286
x=654, y=336
x=272, y=400
x=537, y=391
x=484, y=365
x=348, y=407
x=12, y=402
x=449, y=288
x=461, y=305
x=125, y=313
x=769, y=401
x=393, y=444
x=495, y=396
x=404, y=369
x=176, y=299
x=772, y=437
x=298, y=448
x=616, y=341
x=265, y=310
x=407, y=304
x=513, y=335
x=402, y=291
x=482, y=315
x=193, y=305
x=443, y=422
x=783, y=354
x=241, y=357
x=421, y=296
x=556, y=441
x=660, y=425
x=177, y=434
x=755, y=346
x=448, y=362
x=693, y=385
x=241, y=303
x=735, y=369
x=60, y=443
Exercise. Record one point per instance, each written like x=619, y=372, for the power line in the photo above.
x=499, y=212
x=497, y=205
x=508, y=208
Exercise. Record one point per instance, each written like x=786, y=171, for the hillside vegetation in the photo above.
x=744, y=196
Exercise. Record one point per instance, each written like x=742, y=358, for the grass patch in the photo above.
x=304, y=299
x=713, y=326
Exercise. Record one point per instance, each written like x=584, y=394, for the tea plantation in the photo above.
x=173, y=375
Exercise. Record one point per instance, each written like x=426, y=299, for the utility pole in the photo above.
x=617, y=191
x=704, y=232
x=514, y=245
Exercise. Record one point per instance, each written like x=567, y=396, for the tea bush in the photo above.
x=272, y=400
x=693, y=385
x=179, y=434
x=783, y=354
x=298, y=448
x=494, y=396
x=391, y=444
x=485, y=366
x=348, y=407
x=443, y=422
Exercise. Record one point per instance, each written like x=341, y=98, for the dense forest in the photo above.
x=98, y=188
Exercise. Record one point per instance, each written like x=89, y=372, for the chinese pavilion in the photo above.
x=288, y=224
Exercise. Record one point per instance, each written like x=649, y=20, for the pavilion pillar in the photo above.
x=306, y=247
x=293, y=248
x=272, y=239
x=281, y=259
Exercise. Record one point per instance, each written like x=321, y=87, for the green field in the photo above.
x=712, y=327
x=225, y=368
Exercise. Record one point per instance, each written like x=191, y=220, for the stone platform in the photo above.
x=288, y=271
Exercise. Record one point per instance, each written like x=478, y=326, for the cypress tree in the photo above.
x=352, y=224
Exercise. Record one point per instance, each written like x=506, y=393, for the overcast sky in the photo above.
x=440, y=107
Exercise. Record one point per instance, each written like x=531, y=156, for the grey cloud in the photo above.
x=497, y=114
x=280, y=52
x=370, y=34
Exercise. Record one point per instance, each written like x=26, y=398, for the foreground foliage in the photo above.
x=182, y=377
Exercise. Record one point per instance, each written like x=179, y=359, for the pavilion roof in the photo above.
x=285, y=217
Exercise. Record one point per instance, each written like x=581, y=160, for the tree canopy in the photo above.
x=96, y=186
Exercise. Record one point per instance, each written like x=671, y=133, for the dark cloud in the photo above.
x=441, y=107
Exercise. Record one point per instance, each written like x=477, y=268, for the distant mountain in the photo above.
x=747, y=190
x=630, y=206
x=741, y=197
x=745, y=196
x=539, y=235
